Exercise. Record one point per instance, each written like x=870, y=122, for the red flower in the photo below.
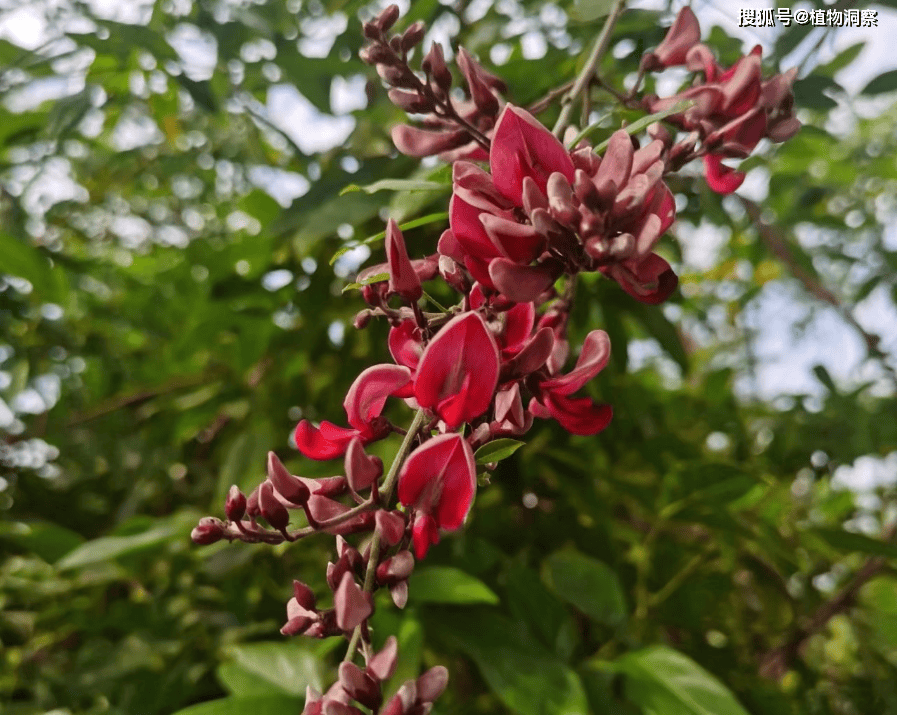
x=363, y=404
x=438, y=480
x=576, y=415
x=458, y=371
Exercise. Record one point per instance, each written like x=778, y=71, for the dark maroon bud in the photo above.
x=395, y=44
x=434, y=65
x=304, y=596
x=397, y=76
x=431, y=684
x=382, y=665
x=453, y=274
x=371, y=31
x=360, y=686
x=273, y=511
x=336, y=571
x=399, y=593
x=377, y=54
x=235, y=506
x=351, y=604
x=410, y=101
x=396, y=568
x=362, y=318
x=386, y=19
x=362, y=470
x=328, y=486
x=296, y=626
x=207, y=531
x=252, y=504
x=413, y=35
x=408, y=694
x=289, y=487
x=391, y=526
x=480, y=436
x=345, y=550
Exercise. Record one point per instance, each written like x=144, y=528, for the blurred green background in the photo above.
x=170, y=209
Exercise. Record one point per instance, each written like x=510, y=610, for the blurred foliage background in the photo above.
x=170, y=208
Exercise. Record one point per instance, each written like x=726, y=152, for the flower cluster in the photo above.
x=732, y=109
x=520, y=233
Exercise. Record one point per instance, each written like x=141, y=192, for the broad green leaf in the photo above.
x=808, y=92
x=841, y=60
x=25, y=261
x=395, y=185
x=886, y=82
x=257, y=705
x=259, y=668
x=663, y=681
x=848, y=541
x=48, y=540
x=529, y=679
x=588, y=584
x=423, y=221
x=445, y=584
x=107, y=548
x=497, y=450
x=547, y=617
x=659, y=327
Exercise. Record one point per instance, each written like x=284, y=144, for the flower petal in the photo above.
x=367, y=395
x=458, y=371
x=577, y=415
x=592, y=360
x=721, y=178
x=522, y=284
x=324, y=442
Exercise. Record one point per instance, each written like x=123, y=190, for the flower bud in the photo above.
x=432, y=684
x=399, y=593
x=207, y=531
x=289, y=487
x=413, y=35
x=434, y=65
x=377, y=55
x=397, y=76
x=391, y=526
x=359, y=685
x=252, y=504
x=351, y=604
x=386, y=19
x=410, y=101
x=362, y=318
x=395, y=569
x=235, y=506
x=273, y=511
x=362, y=470
x=382, y=664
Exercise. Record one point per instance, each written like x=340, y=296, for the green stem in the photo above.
x=591, y=67
x=386, y=494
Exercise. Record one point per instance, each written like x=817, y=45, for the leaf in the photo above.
x=659, y=327
x=423, y=221
x=107, y=548
x=590, y=10
x=445, y=584
x=497, y=450
x=25, y=261
x=841, y=60
x=547, y=617
x=528, y=678
x=588, y=584
x=367, y=281
x=642, y=123
x=848, y=541
x=201, y=92
x=260, y=668
x=663, y=681
x=257, y=705
x=808, y=92
x=886, y=82
x=395, y=185
x=48, y=540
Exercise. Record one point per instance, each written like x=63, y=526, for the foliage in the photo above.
x=165, y=321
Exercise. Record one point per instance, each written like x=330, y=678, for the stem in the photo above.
x=386, y=494
x=588, y=72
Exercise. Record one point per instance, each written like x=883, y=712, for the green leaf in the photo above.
x=642, y=123
x=590, y=10
x=663, y=681
x=808, y=92
x=497, y=450
x=107, y=548
x=48, y=540
x=25, y=261
x=260, y=668
x=588, y=584
x=201, y=92
x=444, y=584
x=841, y=60
x=395, y=185
x=257, y=705
x=423, y=221
x=367, y=281
x=886, y=82
x=848, y=541
x=529, y=679
x=659, y=327
x=547, y=617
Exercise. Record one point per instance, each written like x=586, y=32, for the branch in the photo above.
x=585, y=78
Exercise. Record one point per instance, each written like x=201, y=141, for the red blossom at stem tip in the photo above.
x=438, y=480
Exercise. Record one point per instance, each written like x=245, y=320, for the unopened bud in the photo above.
x=207, y=531
x=396, y=568
x=235, y=506
x=386, y=19
x=289, y=487
x=273, y=511
x=362, y=318
x=252, y=504
x=410, y=101
x=377, y=54
x=434, y=65
x=397, y=76
x=413, y=35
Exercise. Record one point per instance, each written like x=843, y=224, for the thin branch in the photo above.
x=585, y=78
